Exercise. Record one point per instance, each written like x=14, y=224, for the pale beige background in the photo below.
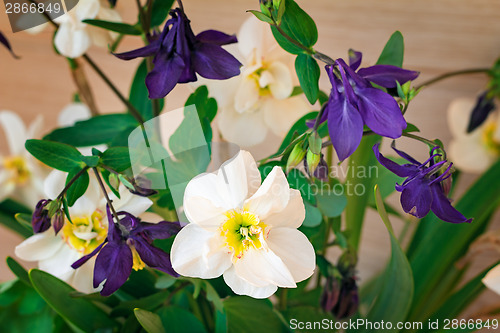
x=440, y=36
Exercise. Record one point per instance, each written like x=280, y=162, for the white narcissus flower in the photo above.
x=257, y=100
x=21, y=175
x=73, y=38
x=244, y=230
x=56, y=253
x=477, y=151
x=492, y=279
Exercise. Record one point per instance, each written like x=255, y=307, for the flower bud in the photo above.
x=348, y=301
x=58, y=221
x=296, y=156
x=321, y=171
x=331, y=293
x=40, y=220
x=312, y=161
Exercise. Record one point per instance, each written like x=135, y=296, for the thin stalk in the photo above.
x=71, y=182
x=451, y=74
x=421, y=139
x=103, y=189
x=283, y=300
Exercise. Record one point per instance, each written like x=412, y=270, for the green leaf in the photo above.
x=308, y=73
x=298, y=25
x=117, y=158
x=78, y=188
x=179, y=320
x=77, y=312
x=91, y=161
x=239, y=320
x=160, y=11
x=10, y=222
x=390, y=306
x=57, y=155
x=261, y=16
x=411, y=128
x=18, y=271
x=24, y=220
x=297, y=129
x=146, y=303
x=94, y=131
x=304, y=314
x=206, y=107
x=150, y=321
x=313, y=216
x=331, y=203
x=139, y=95
x=393, y=52
x=297, y=180
x=165, y=281
x=122, y=28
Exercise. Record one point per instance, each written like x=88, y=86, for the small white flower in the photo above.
x=258, y=100
x=492, y=279
x=73, y=38
x=56, y=253
x=244, y=230
x=476, y=151
x=21, y=176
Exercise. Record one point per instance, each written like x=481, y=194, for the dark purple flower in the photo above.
x=58, y=221
x=127, y=239
x=484, y=105
x=5, y=42
x=422, y=190
x=40, y=220
x=340, y=298
x=355, y=102
x=179, y=55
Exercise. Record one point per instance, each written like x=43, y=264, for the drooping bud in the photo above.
x=312, y=161
x=58, y=221
x=331, y=293
x=296, y=156
x=321, y=171
x=348, y=300
x=142, y=187
x=40, y=220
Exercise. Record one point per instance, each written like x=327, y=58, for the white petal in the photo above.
x=293, y=247
x=272, y=196
x=87, y=9
x=247, y=95
x=459, y=113
x=59, y=264
x=15, y=131
x=492, y=279
x=72, y=41
x=199, y=253
x=35, y=129
x=204, y=213
x=291, y=216
x=282, y=85
x=243, y=287
x=54, y=184
x=128, y=202
x=263, y=267
x=83, y=278
x=246, y=129
x=222, y=90
x=469, y=154
x=252, y=36
x=280, y=115
x=39, y=246
x=72, y=113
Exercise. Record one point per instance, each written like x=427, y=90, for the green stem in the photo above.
x=421, y=139
x=451, y=74
x=71, y=182
x=283, y=300
x=103, y=189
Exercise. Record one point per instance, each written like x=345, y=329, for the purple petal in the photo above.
x=113, y=264
x=387, y=75
x=5, y=42
x=129, y=221
x=113, y=232
x=345, y=126
x=161, y=230
x=406, y=170
x=213, y=62
x=142, y=52
x=484, y=105
x=154, y=257
x=355, y=58
x=442, y=207
x=165, y=75
x=416, y=197
x=216, y=37
x=380, y=112
x=85, y=258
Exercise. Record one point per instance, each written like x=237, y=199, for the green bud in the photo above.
x=312, y=161
x=266, y=6
x=296, y=156
x=315, y=143
x=53, y=207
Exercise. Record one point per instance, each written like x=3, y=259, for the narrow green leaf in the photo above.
x=94, y=131
x=139, y=95
x=393, y=52
x=24, y=220
x=18, y=271
x=77, y=312
x=10, y=222
x=57, y=155
x=392, y=306
x=261, y=16
x=308, y=73
x=122, y=28
x=145, y=303
x=160, y=11
x=78, y=188
x=150, y=321
x=179, y=320
x=117, y=158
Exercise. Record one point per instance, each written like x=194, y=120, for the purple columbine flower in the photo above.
x=40, y=220
x=126, y=239
x=422, y=189
x=484, y=105
x=179, y=55
x=355, y=102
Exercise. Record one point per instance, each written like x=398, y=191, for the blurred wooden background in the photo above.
x=440, y=36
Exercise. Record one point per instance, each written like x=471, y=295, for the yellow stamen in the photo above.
x=241, y=231
x=17, y=165
x=85, y=233
x=488, y=137
x=138, y=264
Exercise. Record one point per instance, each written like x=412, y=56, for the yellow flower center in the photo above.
x=488, y=137
x=241, y=231
x=85, y=233
x=138, y=264
x=18, y=167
